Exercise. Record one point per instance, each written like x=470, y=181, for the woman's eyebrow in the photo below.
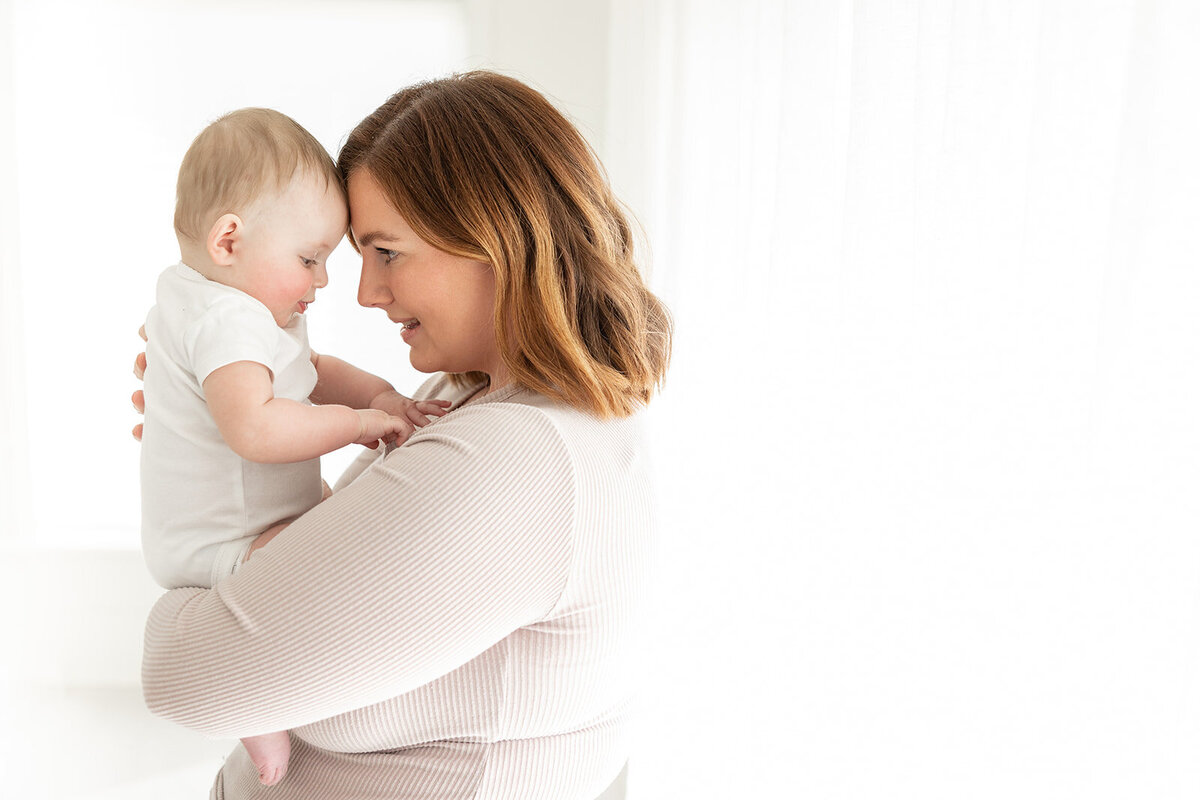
x=373, y=236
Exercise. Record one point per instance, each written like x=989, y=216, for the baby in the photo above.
x=238, y=407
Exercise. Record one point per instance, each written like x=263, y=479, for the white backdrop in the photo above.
x=927, y=454
x=108, y=96
x=929, y=450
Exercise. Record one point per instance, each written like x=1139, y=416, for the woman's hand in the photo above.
x=139, y=372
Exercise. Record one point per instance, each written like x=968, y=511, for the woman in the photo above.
x=458, y=620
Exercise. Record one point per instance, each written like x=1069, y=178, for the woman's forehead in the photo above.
x=372, y=215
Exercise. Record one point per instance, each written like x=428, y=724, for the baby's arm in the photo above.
x=340, y=382
x=273, y=430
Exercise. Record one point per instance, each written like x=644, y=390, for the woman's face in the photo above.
x=444, y=302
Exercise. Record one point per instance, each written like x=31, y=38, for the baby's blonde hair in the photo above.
x=237, y=159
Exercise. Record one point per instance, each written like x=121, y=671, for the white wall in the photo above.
x=14, y=467
x=100, y=107
x=931, y=530
x=561, y=48
x=69, y=401
x=105, y=105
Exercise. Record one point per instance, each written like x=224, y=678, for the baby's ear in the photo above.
x=224, y=237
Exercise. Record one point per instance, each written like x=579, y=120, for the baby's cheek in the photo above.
x=298, y=286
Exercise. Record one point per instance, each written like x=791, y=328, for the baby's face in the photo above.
x=286, y=242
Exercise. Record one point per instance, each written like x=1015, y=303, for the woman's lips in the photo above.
x=409, y=329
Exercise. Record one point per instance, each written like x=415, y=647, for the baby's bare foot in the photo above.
x=270, y=753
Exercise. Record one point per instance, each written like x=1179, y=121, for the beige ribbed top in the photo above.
x=457, y=622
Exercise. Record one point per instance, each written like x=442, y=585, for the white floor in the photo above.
x=102, y=744
x=98, y=742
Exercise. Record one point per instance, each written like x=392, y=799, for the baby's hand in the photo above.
x=417, y=412
x=375, y=425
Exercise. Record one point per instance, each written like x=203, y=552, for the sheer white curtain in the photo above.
x=928, y=451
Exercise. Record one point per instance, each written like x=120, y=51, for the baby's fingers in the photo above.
x=139, y=366
x=416, y=417
x=432, y=408
x=399, y=429
x=419, y=413
x=399, y=435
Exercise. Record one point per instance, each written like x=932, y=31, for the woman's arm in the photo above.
x=431, y=557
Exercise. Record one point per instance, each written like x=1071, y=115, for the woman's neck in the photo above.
x=497, y=379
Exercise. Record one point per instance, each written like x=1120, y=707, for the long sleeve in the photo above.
x=433, y=555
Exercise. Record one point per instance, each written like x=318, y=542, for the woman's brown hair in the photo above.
x=484, y=167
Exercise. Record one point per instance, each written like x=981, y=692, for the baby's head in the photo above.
x=259, y=207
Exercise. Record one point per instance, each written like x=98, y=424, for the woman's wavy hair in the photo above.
x=484, y=167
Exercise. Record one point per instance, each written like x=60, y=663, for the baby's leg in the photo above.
x=269, y=753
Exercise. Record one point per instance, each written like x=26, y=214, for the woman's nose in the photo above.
x=372, y=290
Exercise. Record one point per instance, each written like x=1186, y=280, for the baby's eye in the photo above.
x=388, y=255
x=308, y=262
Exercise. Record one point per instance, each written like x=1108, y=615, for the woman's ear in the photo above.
x=224, y=238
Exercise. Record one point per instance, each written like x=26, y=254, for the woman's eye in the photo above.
x=388, y=255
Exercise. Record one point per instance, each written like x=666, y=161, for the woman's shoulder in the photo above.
x=509, y=419
x=512, y=431
x=517, y=425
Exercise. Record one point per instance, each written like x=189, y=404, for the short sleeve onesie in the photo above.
x=201, y=501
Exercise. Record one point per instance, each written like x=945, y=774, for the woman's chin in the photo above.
x=425, y=365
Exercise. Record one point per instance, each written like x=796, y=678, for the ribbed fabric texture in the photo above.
x=457, y=622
